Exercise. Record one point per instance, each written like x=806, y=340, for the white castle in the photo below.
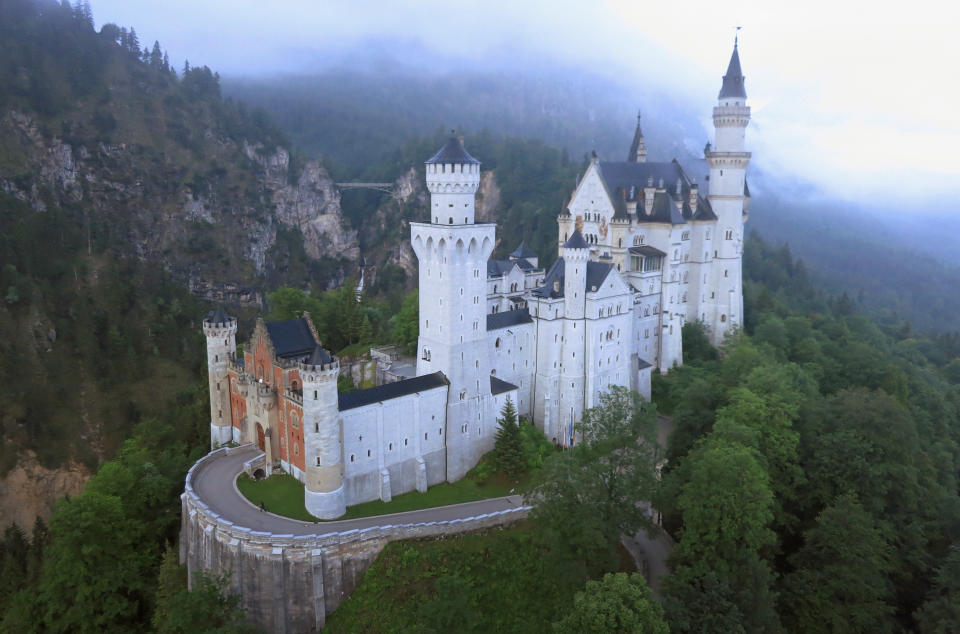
x=642, y=251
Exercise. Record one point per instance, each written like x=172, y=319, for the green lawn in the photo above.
x=283, y=495
x=501, y=580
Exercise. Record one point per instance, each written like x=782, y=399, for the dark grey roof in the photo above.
x=217, y=316
x=389, y=391
x=625, y=174
x=499, y=386
x=453, y=152
x=555, y=274
x=596, y=273
x=642, y=365
x=523, y=251
x=292, y=338
x=733, y=80
x=646, y=250
x=704, y=211
x=496, y=268
x=319, y=356
x=637, y=142
x=576, y=241
x=508, y=318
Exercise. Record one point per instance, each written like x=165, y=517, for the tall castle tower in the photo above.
x=576, y=253
x=728, y=164
x=221, y=332
x=323, y=442
x=453, y=253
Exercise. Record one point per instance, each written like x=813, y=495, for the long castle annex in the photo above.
x=642, y=251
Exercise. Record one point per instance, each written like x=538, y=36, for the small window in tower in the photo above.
x=352, y=456
x=368, y=453
x=216, y=357
x=318, y=461
x=451, y=220
x=464, y=220
x=424, y=435
x=726, y=273
x=314, y=395
x=450, y=205
x=723, y=318
x=316, y=427
x=405, y=442
x=390, y=447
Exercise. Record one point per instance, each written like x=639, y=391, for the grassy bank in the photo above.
x=497, y=581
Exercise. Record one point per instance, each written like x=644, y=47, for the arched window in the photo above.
x=723, y=318
x=496, y=344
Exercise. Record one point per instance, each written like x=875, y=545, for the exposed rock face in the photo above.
x=488, y=198
x=30, y=490
x=164, y=206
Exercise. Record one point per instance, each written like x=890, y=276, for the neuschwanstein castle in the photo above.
x=642, y=250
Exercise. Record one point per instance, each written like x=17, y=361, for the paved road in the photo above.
x=213, y=482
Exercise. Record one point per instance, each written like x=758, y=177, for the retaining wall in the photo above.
x=290, y=583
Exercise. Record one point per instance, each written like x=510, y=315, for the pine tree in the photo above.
x=156, y=55
x=508, y=443
x=133, y=42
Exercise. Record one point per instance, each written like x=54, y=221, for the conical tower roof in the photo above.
x=453, y=152
x=576, y=241
x=733, y=83
x=523, y=251
x=217, y=316
x=638, y=149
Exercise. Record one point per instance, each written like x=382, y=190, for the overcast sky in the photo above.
x=858, y=97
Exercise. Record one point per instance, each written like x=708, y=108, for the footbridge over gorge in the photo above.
x=386, y=188
x=291, y=574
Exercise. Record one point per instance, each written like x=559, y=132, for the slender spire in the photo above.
x=733, y=81
x=638, y=149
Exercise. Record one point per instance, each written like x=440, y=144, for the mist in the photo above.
x=849, y=100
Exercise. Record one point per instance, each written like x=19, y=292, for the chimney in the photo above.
x=694, y=195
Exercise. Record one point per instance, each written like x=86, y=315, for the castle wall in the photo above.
x=290, y=583
x=512, y=352
x=394, y=446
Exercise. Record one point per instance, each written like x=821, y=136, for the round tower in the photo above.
x=221, y=332
x=452, y=252
x=322, y=438
x=576, y=255
x=453, y=177
x=728, y=162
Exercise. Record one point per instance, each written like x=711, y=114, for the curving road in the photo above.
x=213, y=482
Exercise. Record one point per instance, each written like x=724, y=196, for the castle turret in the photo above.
x=453, y=177
x=322, y=437
x=576, y=254
x=453, y=253
x=728, y=162
x=221, y=332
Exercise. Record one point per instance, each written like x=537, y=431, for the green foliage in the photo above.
x=96, y=568
x=508, y=453
x=940, y=613
x=207, y=609
x=586, y=497
x=498, y=581
x=841, y=436
x=616, y=603
x=840, y=583
x=406, y=325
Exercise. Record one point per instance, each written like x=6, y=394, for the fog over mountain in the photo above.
x=846, y=98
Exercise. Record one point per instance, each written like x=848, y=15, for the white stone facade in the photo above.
x=641, y=253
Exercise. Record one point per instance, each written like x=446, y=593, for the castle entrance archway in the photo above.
x=261, y=443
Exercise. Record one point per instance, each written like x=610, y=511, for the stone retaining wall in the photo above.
x=290, y=583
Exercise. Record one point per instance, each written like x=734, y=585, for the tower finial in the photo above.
x=736, y=36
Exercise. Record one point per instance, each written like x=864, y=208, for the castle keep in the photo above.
x=642, y=250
